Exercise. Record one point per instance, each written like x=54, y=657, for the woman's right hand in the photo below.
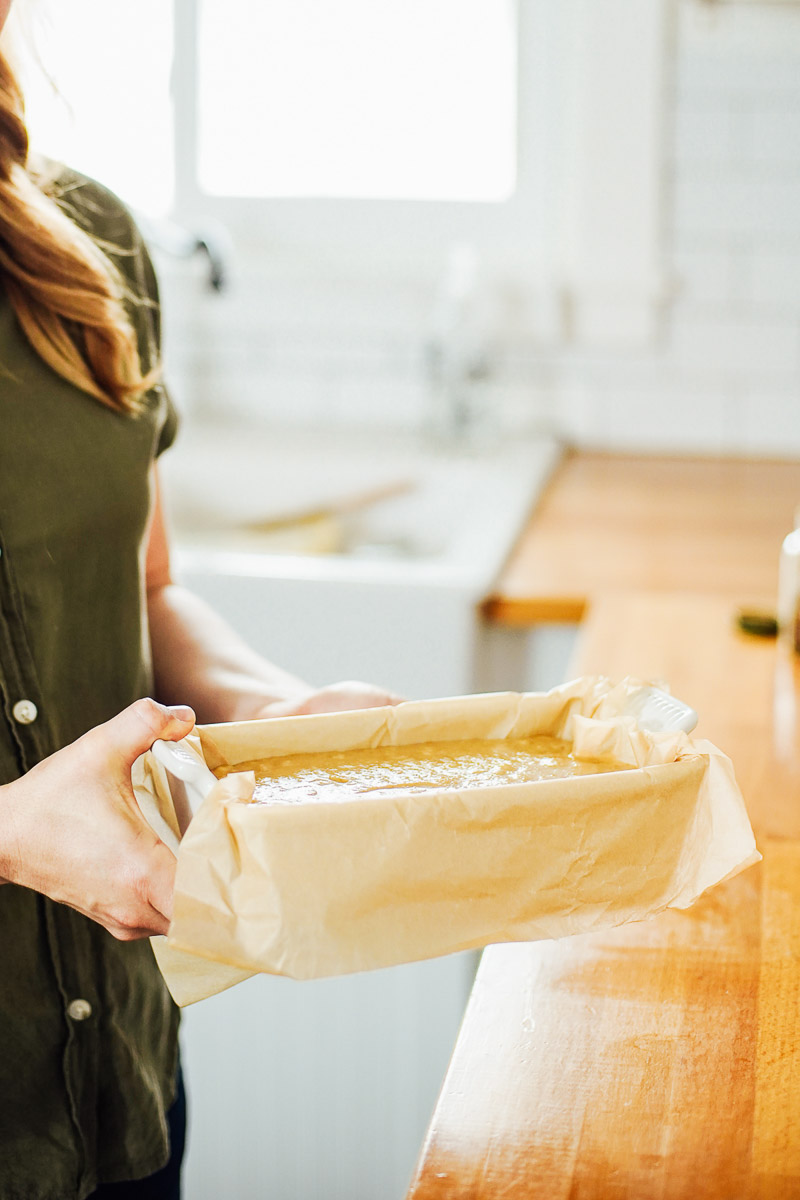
x=71, y=827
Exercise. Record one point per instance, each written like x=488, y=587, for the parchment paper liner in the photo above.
x=325, y=889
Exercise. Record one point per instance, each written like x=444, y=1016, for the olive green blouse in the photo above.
x=88, y=1032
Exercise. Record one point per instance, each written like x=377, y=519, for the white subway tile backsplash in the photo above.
x=776, y=279
x=705, y=136
x=580, y=413
x=674, y=420
x=724, y=376
x=705, y=274
x=771, y=135
x=401, y=405
x=522, y=409
x=753, y=204
x=700, y=339
x=729, y=34
x=769, y=422
x=709, y=81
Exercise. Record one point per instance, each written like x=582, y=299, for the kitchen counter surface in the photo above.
x=612, y=522
x=662, y=1059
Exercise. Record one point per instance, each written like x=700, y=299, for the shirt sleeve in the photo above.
x=147, y=322
x=169, y=428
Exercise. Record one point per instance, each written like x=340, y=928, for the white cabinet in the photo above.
x=318, y=1090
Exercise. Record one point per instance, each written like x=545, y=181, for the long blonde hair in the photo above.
x=68, y=296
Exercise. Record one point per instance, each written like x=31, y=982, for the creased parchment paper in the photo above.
x=320, y=889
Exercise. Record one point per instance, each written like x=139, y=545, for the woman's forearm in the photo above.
x=199, y=660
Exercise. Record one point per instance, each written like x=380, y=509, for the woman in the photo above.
x=90, y=625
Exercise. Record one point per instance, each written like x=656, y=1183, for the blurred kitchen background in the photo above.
x=410, y=251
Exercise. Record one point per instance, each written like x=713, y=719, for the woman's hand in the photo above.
x=71, y=827
x=336, y=697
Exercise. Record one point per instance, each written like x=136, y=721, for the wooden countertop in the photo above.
x=613, y=522
x=661, y=1059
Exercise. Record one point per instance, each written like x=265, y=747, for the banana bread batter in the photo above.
x=336, y=775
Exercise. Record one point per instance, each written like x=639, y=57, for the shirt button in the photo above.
x=25, y=712
x=79, y=1010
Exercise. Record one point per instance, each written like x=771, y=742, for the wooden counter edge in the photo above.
x=518, y=613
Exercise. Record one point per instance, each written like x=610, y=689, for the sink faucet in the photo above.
x=456, y=354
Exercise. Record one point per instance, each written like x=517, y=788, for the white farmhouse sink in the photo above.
x=396, y=600
x=445, y=519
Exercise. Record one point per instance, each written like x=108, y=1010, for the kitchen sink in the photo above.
x=348, y=505
x=352, y=554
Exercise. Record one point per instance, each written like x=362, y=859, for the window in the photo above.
x=369, y=137
x=361, y=98
x=377, y=129
x=96, y=78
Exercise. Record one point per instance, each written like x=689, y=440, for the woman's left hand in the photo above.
x=336, y=697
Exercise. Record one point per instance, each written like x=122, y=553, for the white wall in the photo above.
x=726, y=376
x=723, y=375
